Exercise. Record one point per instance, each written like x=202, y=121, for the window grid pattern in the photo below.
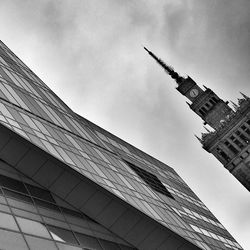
x=33, y=212
x=29, y=108
x=235, y=145
x=151, y=180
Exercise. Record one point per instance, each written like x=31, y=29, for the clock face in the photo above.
x=194, y=92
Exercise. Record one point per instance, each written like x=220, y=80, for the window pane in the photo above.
x=7, y=221
x=17, y=195
x=62, y=235
x=26, y=214
x=23, y=205
x=40, y=244
x=151, y=180
x=88, y=241
x=40, y=193
x=12, y=184
x=108, y=245
x=33, y=227
x=46, y=205
x=11, y=240
x=67, y=247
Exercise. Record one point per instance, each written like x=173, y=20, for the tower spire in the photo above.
x=245, y=96
x=166, y=67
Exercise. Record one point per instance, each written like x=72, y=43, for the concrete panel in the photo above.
x=4, y=136
x=97, y=203
x=31, y=162
x=63, y=185
x=47, y=174
x=111, y=213
x=178, y=243
x=190, y=246
x=80, y=194
x=140, y=231
x=171, y=242
x=155, y=238
x=127, y=221
x=13, y=151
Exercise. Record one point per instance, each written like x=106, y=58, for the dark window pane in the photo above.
x=63, y=235
x=151, y=180
x=12, y=184
x=40, y=193
x=88, y=241
x=75, y=213
x=17, y=195
x=123, y=247
x=46, y=204
x=108, y=245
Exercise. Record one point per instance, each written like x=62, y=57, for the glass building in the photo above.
x=67, y=184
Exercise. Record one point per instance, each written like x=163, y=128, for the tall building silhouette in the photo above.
x=67, y=184
x=229, y=139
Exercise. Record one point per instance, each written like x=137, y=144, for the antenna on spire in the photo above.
x=166, y=67
x=245, y=96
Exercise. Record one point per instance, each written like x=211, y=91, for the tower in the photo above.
x=229, y=140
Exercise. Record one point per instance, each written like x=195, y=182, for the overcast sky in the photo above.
x=90, y=53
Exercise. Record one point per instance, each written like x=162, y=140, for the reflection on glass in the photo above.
x=62, y=235
x=33, y=227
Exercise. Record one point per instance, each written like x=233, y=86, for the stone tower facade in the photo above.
x=229, y=140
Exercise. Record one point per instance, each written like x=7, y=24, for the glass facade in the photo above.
x=40, y=219
x=33, y=217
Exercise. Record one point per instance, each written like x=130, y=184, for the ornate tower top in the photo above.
x=230, y=140
x=205, y=103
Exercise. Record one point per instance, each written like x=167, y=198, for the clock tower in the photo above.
x=230, y=140
x=205, y=103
